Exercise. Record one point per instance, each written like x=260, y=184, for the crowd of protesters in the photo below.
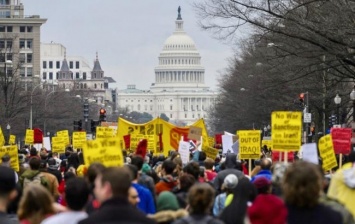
x=59, y=189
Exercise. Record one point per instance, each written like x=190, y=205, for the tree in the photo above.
x=164, y=117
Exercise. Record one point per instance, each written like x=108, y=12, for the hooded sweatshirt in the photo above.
x=230, y=163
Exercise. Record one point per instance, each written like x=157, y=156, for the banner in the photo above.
x=12, y=140
x=29, y=139
x=161, y=135
x=326, y=152
x=210, y=141
x=105, y=151
x=341, y=140
x=79, y=139
x=2, y=138
x=249, y=144
x=104, y=132
x=58, y=144
x=211, y=152
x=286, y=130
x=13, y=153
x=65, y=135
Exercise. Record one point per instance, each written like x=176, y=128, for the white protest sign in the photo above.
x=47, y=143
x=227, y=142
x=184, y=150
x=309, y=153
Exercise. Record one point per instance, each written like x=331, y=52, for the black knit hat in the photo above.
x=7, y=180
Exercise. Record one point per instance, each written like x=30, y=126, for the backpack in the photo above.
x=38, y=179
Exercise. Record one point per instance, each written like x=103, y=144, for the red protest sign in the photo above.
x=341, y=140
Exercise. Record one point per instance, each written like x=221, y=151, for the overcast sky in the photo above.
x=128, y=34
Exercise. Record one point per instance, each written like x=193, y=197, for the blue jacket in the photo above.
x=263, y=173
x=146, y=203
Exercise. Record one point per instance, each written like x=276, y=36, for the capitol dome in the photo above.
x=179, y=66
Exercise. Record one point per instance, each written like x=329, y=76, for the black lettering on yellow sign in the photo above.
x=249, y=150
x=249, y=140
x=149, y=129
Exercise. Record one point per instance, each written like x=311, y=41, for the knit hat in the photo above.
x=261, y=182
x=7, y=180
x=145, y=168
x=52, y=164
x=230, y=181
x=262, y=211
x=167, y=201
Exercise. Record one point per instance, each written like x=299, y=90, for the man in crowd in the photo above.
x=133, y=197
x=265, y=171
x=167, y=182
x=111, y=189
x=76, y=195
x=7, y=193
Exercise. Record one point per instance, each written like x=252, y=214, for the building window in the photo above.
x=2, y=44
x=56, y=75
x=29, y=72
x=185, y=115
x=57, y=64
x=193, y=115
x=50, y=64
x=151, y=107
x=44, y=64
x=9, y=29
x=77, y=64
x=51, y=75
x=95, y=85
x=22, y=29
x=22, y=43
x=101, y=85
x=77, y=75
x=145, y=107
x=44, y=75
x=84, y=75
x=9, y=56
x=29, y=58
x=139, y=107
x=71, y=65
x=29, y=44
x=9, y=43
x=22, y=72
x=171, y=116
x=29, y=29
x=22, y=58
x=171, y=107
x=2, y=28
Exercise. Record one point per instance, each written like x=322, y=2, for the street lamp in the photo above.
x=337, y=101
x=352, y=97
x=31, y=103
x=8, y=128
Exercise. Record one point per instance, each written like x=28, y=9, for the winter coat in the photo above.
x=166, y=183
x=168, y=216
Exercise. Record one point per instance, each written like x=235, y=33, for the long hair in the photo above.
x=36, y=204
x=200, y=198
x=242, y=194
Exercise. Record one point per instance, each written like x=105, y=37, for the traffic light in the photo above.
x=102, y=115
x=78, y=125
x=86, y=110
x=301, y=98
x=332, y=120
x=93, y=126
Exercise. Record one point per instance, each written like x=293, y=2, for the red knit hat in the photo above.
x=267, y=209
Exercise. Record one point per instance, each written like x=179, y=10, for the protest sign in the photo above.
x=12, y=140
x=286, y=130
x=13, y=153
x=58, y=144
x=227, y=142
x=104, y=132
x=79, y=139
x=65, y=135
x=105, y=151
x=210, y=152
x=184, y=150
x=249, y=144
x=210, y=141
x=326, y=152
x=309, y=153
x=29, y=137
x=195, y=133
x=2, y=138
x=341, y=140
x=267, y=142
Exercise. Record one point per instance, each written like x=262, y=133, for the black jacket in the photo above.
x=117, y=210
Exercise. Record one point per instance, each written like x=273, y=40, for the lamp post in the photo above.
x=31, y=103
x=8, y=128
x=352, y=97
x=337, y=101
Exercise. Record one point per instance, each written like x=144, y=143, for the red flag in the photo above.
x=37, y=136
x=218, y=139
x=127, y=141
x=142, y=148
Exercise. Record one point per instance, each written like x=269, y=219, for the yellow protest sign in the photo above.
x=249, y=144
x=211, y=141
x=79, y=139
x=326, y=151
x=136, y=138
x=286, y=130
x=58, y=144
x=2, y=138
x=65, y=135
x=268, y=143
x=210, y=152
x=104, y=132
x=12, y=140
x=105, y=151
x=13, y=153
x=29, y=137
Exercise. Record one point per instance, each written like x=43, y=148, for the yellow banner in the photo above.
x=211, y=141
x=249, y=144
x=210, y=152
x=170, y=134
x=12, y=140
x=286, y=130
x=29, y=139
x=79, y=139
x=326, y=151
x=104, y=132
x=65, y=135
x=105, y=151
x=13, y=153
x=2, y=138
x=58, y=144
x=268, y=143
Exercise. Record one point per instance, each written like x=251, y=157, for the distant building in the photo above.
x=179, y=90
x=19, y=41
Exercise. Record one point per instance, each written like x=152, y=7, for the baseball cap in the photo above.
x=7, y=179
x=230, y=181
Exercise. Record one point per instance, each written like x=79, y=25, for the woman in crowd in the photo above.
x=35, y=205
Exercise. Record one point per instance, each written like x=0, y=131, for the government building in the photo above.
x=179, y=90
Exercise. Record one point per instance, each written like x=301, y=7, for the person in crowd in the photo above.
x=230, y=168
x=193, y=169
x=229, y=183
x=6, y=161
x=93, y=170
x=301, y=187
x=168, y=209
x=33, y=174
x=342, y=184
x=23, y=164
x=35, y=205
x=146, y=200
x=34, y=153
x=236, y=211
x=51, y=180
x=133, y=197
x=8, y=193
x=201, y=158
x=200, y=200
x=143, y=178
x=55, y=156
x=73, y=160
x=201, y=176
x=177, y=160
x=278, y=171
x=167, y=182
x=265, y=165
x=53, y=168
x=262, y=210
x=61, y=188
x=185, y=182
x=76, y=195
x=111, y=189
x=210, y=174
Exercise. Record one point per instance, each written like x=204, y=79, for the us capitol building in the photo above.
x=179, y=90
